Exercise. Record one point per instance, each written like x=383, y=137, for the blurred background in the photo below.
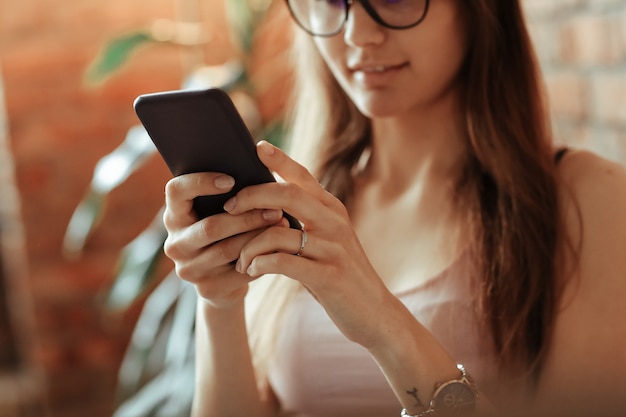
x=69, y=73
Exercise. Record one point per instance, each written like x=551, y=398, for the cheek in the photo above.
x=444, y=56
x=443, y=38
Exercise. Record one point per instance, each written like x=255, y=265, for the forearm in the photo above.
x=225, y=379
x=414, y=362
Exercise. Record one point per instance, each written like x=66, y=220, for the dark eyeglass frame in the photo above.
x=370, y=11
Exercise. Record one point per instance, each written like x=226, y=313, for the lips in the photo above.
x=375, y=74
x=376, y=68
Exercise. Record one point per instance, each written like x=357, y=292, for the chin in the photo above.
x=379, y=110
x=382, y=103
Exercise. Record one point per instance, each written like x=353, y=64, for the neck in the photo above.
x=425, y=146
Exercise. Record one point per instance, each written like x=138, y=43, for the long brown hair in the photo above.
x=509, y=173
x=513, y=168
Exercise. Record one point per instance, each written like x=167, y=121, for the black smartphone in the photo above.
x=201, y=131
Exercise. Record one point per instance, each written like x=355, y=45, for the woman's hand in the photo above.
x=204, y=251
x=332, y=266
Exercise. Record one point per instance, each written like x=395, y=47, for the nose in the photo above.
x=360, y=29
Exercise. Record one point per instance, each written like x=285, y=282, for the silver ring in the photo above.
x=302, y=242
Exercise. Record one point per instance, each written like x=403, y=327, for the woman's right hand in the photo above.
x=204, y=250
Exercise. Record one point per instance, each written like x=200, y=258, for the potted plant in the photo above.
x=156, y=375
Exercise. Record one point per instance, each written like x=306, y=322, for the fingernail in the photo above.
x=224, y=182
x=267, y=147
x=230, y=204
x=238, y=266
x=272, y=215
x=250, y=271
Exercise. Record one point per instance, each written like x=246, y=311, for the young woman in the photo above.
x=440, y=227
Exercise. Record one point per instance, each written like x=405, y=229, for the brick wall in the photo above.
x=59, y=129
x=582, y=49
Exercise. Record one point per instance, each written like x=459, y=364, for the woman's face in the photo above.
x=390, y=72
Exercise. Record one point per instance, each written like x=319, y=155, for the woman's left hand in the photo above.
x=332, y=266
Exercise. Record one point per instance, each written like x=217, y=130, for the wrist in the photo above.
x=227, y=303
x=456, y=397
x=224, y=317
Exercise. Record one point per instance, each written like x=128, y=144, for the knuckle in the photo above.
x=344, y=229
x=226, y=251
x=186, y=272
x=333, y=202
x=253, y=219
x=168, y=219
x=291, y=190
x=302, y=173
x=244, y=193
x=201, y=181
x=173, y=187
x=250, y=219
x=207, y=228
x=170, y=248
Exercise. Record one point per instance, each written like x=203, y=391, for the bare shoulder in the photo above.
x=585, y=172
x=593, y=201
x=589, y=335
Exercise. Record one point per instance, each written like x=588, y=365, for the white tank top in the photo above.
x=316, y=371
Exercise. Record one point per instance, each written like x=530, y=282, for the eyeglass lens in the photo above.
x=326, y=17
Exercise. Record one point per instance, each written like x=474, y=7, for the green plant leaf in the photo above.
x=115, y=54
x=83, y=221
x=240, y=18
x=110, y=171
x=115, y=168
x=146, y=351
x=169, y=394
x=160, y=351
x=244, y=17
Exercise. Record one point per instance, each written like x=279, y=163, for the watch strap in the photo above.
x=465, y=379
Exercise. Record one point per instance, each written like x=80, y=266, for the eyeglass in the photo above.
x=328, y=17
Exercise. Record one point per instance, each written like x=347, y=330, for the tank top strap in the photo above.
x=560, y=153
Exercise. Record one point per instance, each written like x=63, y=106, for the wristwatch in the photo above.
x=451, y=398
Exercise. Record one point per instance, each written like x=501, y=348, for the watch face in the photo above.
x=454, y=399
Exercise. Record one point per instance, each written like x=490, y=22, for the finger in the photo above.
x=181, y=190
x=220, y=282
x=216, y=228
x=214, y=260
x=294, y=267
x=291, y=171
x=277, y=239
x=287, y=196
